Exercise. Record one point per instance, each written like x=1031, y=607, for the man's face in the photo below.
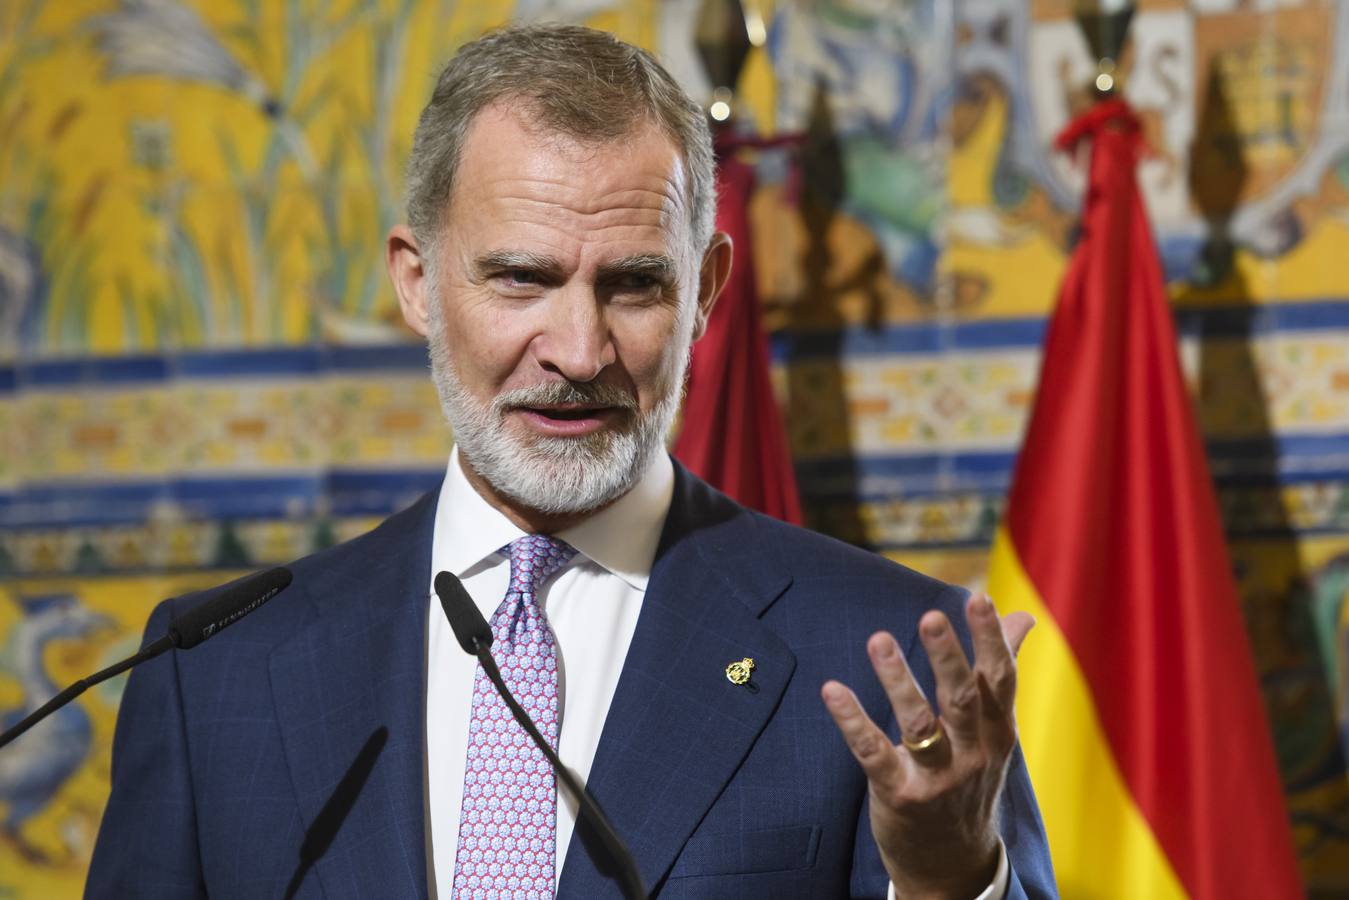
x=564, y=300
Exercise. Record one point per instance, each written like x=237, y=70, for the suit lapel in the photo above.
x=677, y=728
x=349, y=697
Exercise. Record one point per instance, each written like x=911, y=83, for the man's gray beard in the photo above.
x=553, y=475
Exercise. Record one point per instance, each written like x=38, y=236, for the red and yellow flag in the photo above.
x=1138, y=704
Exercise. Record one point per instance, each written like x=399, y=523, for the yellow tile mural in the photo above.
x=203, y=371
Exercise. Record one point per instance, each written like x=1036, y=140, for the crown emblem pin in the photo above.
x=739, y=672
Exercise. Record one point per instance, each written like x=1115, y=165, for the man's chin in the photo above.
x=555, y=487
x=556, y=474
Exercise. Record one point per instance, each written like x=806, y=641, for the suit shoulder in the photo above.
x=734, y=535
x=323, y=577
x=810, y=556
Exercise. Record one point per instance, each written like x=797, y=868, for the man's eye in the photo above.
x=637, y=283
x=521, y=276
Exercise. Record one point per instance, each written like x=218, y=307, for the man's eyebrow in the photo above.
x=653, y=265
x=498, y=260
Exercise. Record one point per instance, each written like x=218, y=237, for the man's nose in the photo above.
x=576, y=342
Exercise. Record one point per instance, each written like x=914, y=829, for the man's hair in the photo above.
x=576, y=81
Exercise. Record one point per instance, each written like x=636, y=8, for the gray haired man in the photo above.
x=684, y=655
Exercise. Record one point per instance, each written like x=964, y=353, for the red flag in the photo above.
x=732, y=434
x=1139, y=708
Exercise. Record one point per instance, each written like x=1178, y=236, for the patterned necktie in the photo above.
x=507, y=827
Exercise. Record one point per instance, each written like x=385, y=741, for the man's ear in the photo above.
x=716, y=269
x=407, y=271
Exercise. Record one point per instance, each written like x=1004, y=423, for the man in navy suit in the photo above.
x=687, y=656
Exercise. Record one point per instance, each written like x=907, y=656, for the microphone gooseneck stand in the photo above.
x=185, y=632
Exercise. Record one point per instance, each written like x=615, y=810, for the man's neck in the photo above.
x=530, y=521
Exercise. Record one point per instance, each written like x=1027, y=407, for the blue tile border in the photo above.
x=113, y=370
x=341, y=493
x=365, y=493
x=852, y=342
x=277, y=363
x=386, y=357
x=82, y=505
x=1290, y=460
x=1028, y=333
x=288, y=362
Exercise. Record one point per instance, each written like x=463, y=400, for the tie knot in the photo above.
x=534, y=559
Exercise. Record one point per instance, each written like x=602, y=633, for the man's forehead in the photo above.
x=506, y=157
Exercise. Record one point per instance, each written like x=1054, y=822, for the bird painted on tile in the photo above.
x=34, y=768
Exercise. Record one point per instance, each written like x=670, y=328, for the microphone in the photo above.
x=474, y=635
x=470, y=628
x=185, y=632
x=231, y=605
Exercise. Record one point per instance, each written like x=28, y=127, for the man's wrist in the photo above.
x=952, y=878
x=996, y=890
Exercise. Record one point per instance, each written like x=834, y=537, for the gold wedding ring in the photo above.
x=926, y=743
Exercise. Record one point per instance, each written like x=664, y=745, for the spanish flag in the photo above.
x=1138, y=705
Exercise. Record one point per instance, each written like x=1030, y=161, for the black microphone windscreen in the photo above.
x=227, y=607
x=470, y=628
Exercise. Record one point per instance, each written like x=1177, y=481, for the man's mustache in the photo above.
x=561, y=393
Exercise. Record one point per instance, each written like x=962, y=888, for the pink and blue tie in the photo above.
x=507, y=827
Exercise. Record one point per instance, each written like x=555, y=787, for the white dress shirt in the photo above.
x=592, y=605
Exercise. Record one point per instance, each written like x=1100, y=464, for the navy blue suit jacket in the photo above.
x=285, y=755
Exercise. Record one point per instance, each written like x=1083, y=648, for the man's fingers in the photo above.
x=957, y=691
x=1016, y=625
x=986, y=631
x=912, y=711
x=869, y=745
x=997, y=713
x=993, y=659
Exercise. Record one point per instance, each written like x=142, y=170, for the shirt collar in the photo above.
x=621, y=538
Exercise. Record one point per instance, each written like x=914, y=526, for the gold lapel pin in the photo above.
x=739, y=672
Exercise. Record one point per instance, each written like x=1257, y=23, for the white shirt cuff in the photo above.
x=995, y=891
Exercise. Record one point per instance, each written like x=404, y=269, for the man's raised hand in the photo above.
x=933, y=795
